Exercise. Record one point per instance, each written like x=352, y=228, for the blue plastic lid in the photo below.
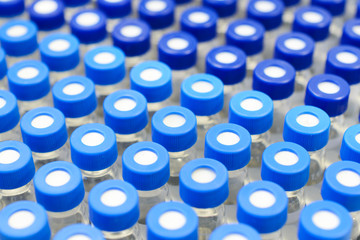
x=9, y=111
x=252, y=110
x=174, y=127
x=11, y=8
x=125, y=111
x=105, y=65
x=146, y=166
x=152, y=79
x=307, y=126
x=290, y=3
x=227, y=63
x=351, y=33
x=43, y=129
x=75, y=3
x=350, y=146
x=262, y=205
x=160, y=217
x=132, y=36
x=18, y=37
x=113, y=205
x=357, y=9
x=324, y=220
x=115, y=9
x=274, y=77
x=328, y=92
x=47, y=14
x=246, y=34
x=180, y=2
x=3, y=65
x=178, y=50
x=235, y=231
x=59, y=186
x=24, y=220
x=335, y=7
x=223, y=8
x=295, y=48
x=89, y=26
x=267, y=12
x=159, y=14
x=79, y=230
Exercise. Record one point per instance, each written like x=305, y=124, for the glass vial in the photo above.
x=9, y=117
x=79, y=231
x=350, y=146
x=183, y=5
x=235, y=231
x=351, y=33
x=75, y=6
x=115, y=11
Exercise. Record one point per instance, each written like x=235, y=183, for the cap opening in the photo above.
x=307, y=120
x=57, y=178
x=274, y=72
x=9, y=156
x=228, y=138
x=151, y=74
x=21, y=219
x=328, y=87
x=235, y=236
x=286, y=158
x=226, y=57
x=295, y=44
x=42, y=121
x=104, y=58
x=174, y=120
x=145, y=157
x=172, y=220
x=312, y=17
x=93, y=139
x=125, y=104
x=251, y=104
x=203, y=175
x=326, y=220
x=346, y=57
x=265, y=6
x=178, y=43
x=199, y=17
x=87, y=19
x=202, y=86
x=348, y=178
x=59, y=45
x=28, y=73
x=79, y=237
x=262, y=199
x=113, y=198
x=73, y=89
x=2, y=102
x=155, y=6
x=16, y=31
x=356, y=29
x=245, y=30
x=131, y=31
x=45, y=7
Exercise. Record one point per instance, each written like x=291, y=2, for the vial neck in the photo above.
x=96, y=174
x=210, y=120
x=68, y=213
x=277, y=235
x=134, y=137
x=153, y=193
x=208, y=212
x=121, y=234
x=238, y=173
x=260, y=137
x=16, y=191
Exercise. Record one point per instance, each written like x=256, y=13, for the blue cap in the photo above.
x=39, y=133
x=53, y=196
x=107, y=217
x=89, y=26
x=239, y=230
x=15, y=44
x=115, y=9
x=307, y=126
x=287, y=164
x=93, y=147
x=252, y=208
x=60, y=52
x=152, y=79
x=158, y=17
x=29, y=80
x=290, y=3
x=9, y=111
x=83, y=230
x=11, y=8
x=75, y=3
x=227, y=63
x=169, y=211
x=234, y=153
x=38, y=229
x=99, y=67
x=357, y=9
x=47, y=14
x=274, y=77
x=350, y=146
x=269, y=15
x=125, y=111
x=146, y=166
x=340, y=219
x=246, y=34
x=3, y=65
x=252, y=110
x=175, y=137
x=313, y=21
x=178, y=50
x=223, y=8
x=328, y=92
x=335, y=7
x=351, y=34
x=132, y=36
x=296, y=48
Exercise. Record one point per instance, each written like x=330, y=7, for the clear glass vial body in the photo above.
x=204, y=123
x=57, y=76
x=258, y=144
x=125, y=140
x=320, y=52
x=132, y=233
x=355, y=233
x=270, y=39
x=301, y=79
x=42, y=34
x=281, y=107
x=296, y=202
x=177, y=77
x=203, y=49
x=73, y=123
x=209, y=219
x=11, y=60
x=25, y=192
x=251, y=62
x=12, y=134
x=272, y=236
x=84, y=48
x=102, y=91
x=61, y=154
x=25, y=106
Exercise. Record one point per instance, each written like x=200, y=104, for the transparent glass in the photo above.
x=25, y=192
x=177, y=77
x=204, y=123
x=61, y=154
x=156, y=106
x=355, y=233
x=73, y=123
x=57, y=76
x=337, y=129
x=229, y=92
x=42, y=34
x=258, y=145
x=281, y=107
x=156, y=35
x=180, y=8
x=111, y=23
x=25, y=106
x=203, y=48
x=270, y=39
x=251, y=63
x=296, y=202
x=84, y=48
x=277, y=235
x=125, y=140
x=132, y=233
x=3, y=82
x=23, y=16
x=209, y=219
x=11, y=60
x=317, y=167
x=130, y=62
x=320, y=53
x=222, y=25
x=301, y=80
x=336, y=26
x=352, y=112
x=13, y=134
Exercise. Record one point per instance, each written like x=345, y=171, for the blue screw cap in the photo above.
x=9, y=112
x=12, y=8
x=75, y=3
x=335, y=7
x=79, y=229
x=269, y=15
x=158, y=17
x=235, y=230
x=223, y=8
x=350, y=146
x=3, y=65
x=115, y=9
x=350, y=35
x=52, y=19
x=290, y=3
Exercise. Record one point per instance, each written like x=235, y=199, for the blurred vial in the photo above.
x=174, y=128
x=291, y=6
x=230, y=144
x=114, y=209
x=324, y=220
x=204, y=186
x=350, y=146
x=75, y=6
x=60, y=190
x=235, y=231
x=13, y=9
x=44, y=131
x=9, y=117
x=29, y=81
x=115, y=11
x=3, y=70
x=79, y=231
x=145, y=165
x=263, y=206
x=183, y=5
x=24, y=220
x=351, y=33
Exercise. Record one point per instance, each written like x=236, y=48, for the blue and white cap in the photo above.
x=295, y=48
x=47, y=14
x=59, y=186
x=223, y=8
x=152, y=79
x=172, y=220
x=113, y=206
x=18, y=37
x=267, y=12
x=174, y=127
x=287, y=164
x=252, y=110
x=75, y=3
x=43, y=129
x=105, y=65
x=159, y=14
x=178, y=50
x=324, y=220
x=79, y=230
x=235, y=231
x=344, y=61
x=11, y=8
x=274, y=77
x=115, y=9
x=229, y=144
x=125, y=111
x=89, y=26
x=307, y=126
x=93, y=147
x=351, y=33
x=357, y=10
x=3, y=65
x=204, y=183
x=146, y=166
x=350, y=146
x=262, y=205
x=246, y=34
x=335, y=7
x=9, y=111
x=132, y=36
x=227, y=63
x=24, y=220
x=329, y=93
x=313, y=21
x=290, y=3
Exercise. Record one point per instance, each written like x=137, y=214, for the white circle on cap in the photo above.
x=172, y=220
x=226, y=57
x=2, y=102
x=145, y=157
x=203, y=175
x=131, y=31
x=274, y=72
x=155, y=6
x=45, y=6
x=17, y=31
x=21, y=219
x=73, y=89
x=251, y=104
x=125, y=104
x=42, y=121
x=245, y=30
x=59, y=45
x=265, y=6
x=228, y=138
x=262, y=199
x=202, y=86
x=307, y=120
x=113, y=198
x=346, y=57
x=357, y=138
x=199, y=17
x=174, y=120
x=312, y=17
x=28, y=73
x=295, y=44
x=93, y=139
x=104, y=58
x=326, y=220
x=328, y=87
x=356, y=29
x=9, y=156
x=151, y=74
x=348, y=178
x=87, y=19
x=234, y=236
x=286, y=158
x=79, y=237
x=57, y=178
x=177, y=43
